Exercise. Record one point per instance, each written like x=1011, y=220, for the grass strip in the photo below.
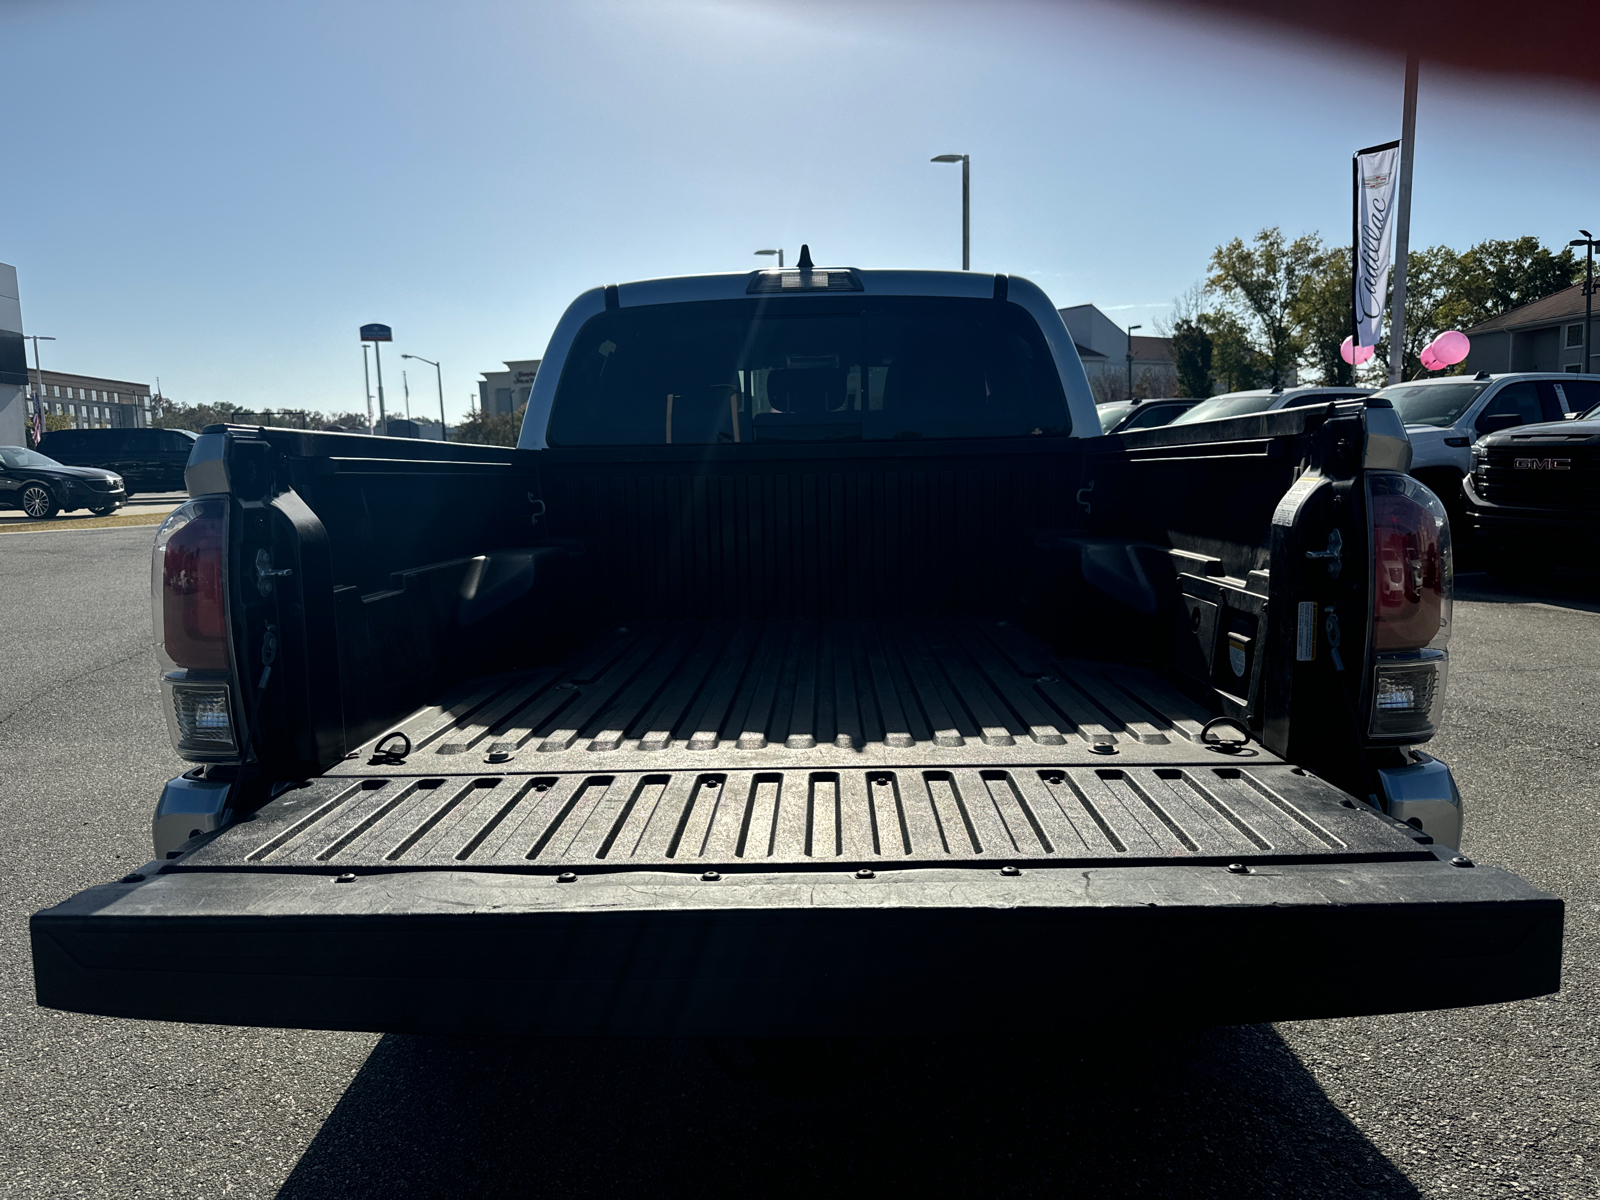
x=65, y=524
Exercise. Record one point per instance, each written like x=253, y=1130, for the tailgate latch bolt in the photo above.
x=711, y=876
x=1009, y=870
x=1461, y=860
x=266, y=576
x=1333, y=556
x=866, y=873
x=1238, y=869
x=347, y=877
x=567, y=877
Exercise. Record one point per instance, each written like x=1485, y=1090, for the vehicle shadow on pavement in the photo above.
x=1578, y=590
x=1220, y=1112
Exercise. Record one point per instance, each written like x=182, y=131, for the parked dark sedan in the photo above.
x=149, y=460
x=42, y=487
x=1141, y=414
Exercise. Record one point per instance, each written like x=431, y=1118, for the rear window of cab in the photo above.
x=808, y=369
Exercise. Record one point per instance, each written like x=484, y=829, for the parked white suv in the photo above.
x=1445, y=415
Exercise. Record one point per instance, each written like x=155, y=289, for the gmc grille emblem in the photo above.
x=1542, y=464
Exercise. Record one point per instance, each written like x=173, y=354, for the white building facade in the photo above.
x=1103, y=345
x=501, y=392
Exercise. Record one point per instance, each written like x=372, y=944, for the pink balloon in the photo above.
x=1353, y=354
x=1429, y=360
x=1451, y=347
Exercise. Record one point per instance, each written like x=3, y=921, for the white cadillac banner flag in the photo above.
x=1376, y=170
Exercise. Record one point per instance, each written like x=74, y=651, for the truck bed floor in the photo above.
x=727, y=693
x=790, y=744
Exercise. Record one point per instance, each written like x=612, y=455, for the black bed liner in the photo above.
x=725, y=694
x=788, y=744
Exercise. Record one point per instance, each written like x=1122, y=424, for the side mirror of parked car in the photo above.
x=1495, y=422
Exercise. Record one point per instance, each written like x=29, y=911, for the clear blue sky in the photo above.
x=219, y=193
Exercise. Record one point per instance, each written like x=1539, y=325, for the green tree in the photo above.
x=1447, y=290
x=1496, y=276
x=350, y=422
x=498, y=429
x=1191, y=352
x=1236, y=364
x=1258, y=285
x=195, y=416
x=1433, y=298
x=1321, y=316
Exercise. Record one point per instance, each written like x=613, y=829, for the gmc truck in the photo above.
x=1531, y=500
x=812, y=667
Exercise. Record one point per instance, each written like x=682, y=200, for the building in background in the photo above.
x=13, y=363
x=501, y=392
x=1546, y=335
x=90, y=402
x=1103, y=346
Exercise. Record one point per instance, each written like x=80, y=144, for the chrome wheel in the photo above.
x=37, y=501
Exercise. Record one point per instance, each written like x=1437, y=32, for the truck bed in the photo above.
x=713, y=744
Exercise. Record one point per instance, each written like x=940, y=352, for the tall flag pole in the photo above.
x=1402, y=228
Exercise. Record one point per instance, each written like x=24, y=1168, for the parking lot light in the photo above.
x=1588, y=241
x=966, y=203
x=438, y=378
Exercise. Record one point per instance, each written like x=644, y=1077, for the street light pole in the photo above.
x=439, y=378
x=778, y=252
x=1589, y=296
x=1131, y=328
x=377, y=359
x=966, y=203
x=366, y=374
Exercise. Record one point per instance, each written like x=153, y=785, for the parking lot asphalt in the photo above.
x=1502, y=1100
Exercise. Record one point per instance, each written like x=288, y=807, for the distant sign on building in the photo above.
x=501, y=392
x=376, y=333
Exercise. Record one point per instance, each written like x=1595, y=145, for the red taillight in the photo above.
x=1411, y=591
x=188, y=609
x=193, y=620
x=1411, y=564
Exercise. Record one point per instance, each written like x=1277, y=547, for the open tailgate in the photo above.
x=906, y=898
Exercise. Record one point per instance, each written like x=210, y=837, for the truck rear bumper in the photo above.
x=919, y=951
